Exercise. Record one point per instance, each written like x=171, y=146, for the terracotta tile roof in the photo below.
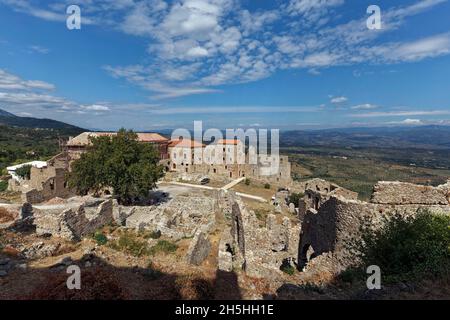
x=83, y=139
x=228, y=141
x=186, y=143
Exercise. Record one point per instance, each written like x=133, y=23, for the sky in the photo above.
x=293, y=64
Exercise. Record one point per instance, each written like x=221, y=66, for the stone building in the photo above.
x=79, y=144
x=183, y=153
x=46, y=182
x=227, y=159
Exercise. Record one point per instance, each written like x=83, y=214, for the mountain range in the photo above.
x=9, y=119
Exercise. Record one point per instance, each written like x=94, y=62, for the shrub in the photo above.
x=295, y=198
x=156, y=234
x=409, y=248
x=24, y=172
x=287, y=267
x=3, y=185
x=100, y=238
x=267, y=186
x=290, y=270
x=128, y=242
x=163, y=246
x=247, y=182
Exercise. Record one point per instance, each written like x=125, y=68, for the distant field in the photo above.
x=361, y=170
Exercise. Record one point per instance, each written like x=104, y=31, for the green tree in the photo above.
x=295, y=198
x=24, y=172
x=119, y=162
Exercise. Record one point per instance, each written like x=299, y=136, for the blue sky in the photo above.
x=294, y=64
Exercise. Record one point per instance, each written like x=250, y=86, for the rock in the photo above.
x=225, y=261
x=74, y=223
x=39, y=250
x=199, y=248
x=291, y=208
x=26, y=211
x=3, y=273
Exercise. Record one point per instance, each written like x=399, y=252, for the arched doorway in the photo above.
x=306, y=254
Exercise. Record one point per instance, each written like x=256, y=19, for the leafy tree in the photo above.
x=295, y=198
x=119, y=162
x=24, y=172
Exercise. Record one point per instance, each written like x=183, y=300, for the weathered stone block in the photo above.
x=199, y=248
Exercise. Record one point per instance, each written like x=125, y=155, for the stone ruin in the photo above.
x=73, y=223
x=316, y=241
x=330, y=218
x=177, y=218
x=259, y=251
x=45, y=183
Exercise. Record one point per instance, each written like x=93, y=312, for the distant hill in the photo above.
x=9, y=119
x=426, y=137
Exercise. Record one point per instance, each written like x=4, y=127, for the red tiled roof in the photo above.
x=83, y=139
x=185, y=143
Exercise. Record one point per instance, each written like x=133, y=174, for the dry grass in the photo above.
x=6, y=216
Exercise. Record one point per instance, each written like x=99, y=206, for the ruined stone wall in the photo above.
x=408, y=193
x=318, y=191
x=259, y=251
x=45, y=184
x=179, y=217
x=73, y=223
x=327, y=231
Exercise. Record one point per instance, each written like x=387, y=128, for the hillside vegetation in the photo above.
x=27, y=144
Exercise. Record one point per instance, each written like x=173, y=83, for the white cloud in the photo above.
x=9, y=81
x=39, y=49
x=401, y=113
x=339, y=100
x=96, y=107
x=365, y=106
x=197, y=52
x=196, y=45
x=412, y=121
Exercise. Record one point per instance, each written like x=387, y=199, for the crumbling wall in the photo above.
x=327, y=232
x=179, y=217
x=73, y=223
x=259, y=251
x=45, y=183
x=407, y=193
x=317, y=192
